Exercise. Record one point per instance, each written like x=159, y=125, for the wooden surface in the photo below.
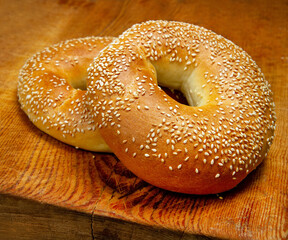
x=92, y=196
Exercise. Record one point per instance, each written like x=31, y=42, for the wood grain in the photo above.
x=35, y=166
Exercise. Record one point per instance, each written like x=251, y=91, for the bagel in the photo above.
x=207, y=147
x=51, y=91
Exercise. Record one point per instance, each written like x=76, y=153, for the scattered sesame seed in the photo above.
x=217, y=175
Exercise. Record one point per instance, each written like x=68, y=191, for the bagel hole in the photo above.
x=79, y=83
x=182, y=86
x=176, y=95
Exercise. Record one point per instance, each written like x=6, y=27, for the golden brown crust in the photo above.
x=51, y=91
x=205, y=148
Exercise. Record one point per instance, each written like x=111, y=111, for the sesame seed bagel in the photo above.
x=204, y=148
x=51, y=91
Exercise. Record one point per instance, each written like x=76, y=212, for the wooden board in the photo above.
x=35, y=166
